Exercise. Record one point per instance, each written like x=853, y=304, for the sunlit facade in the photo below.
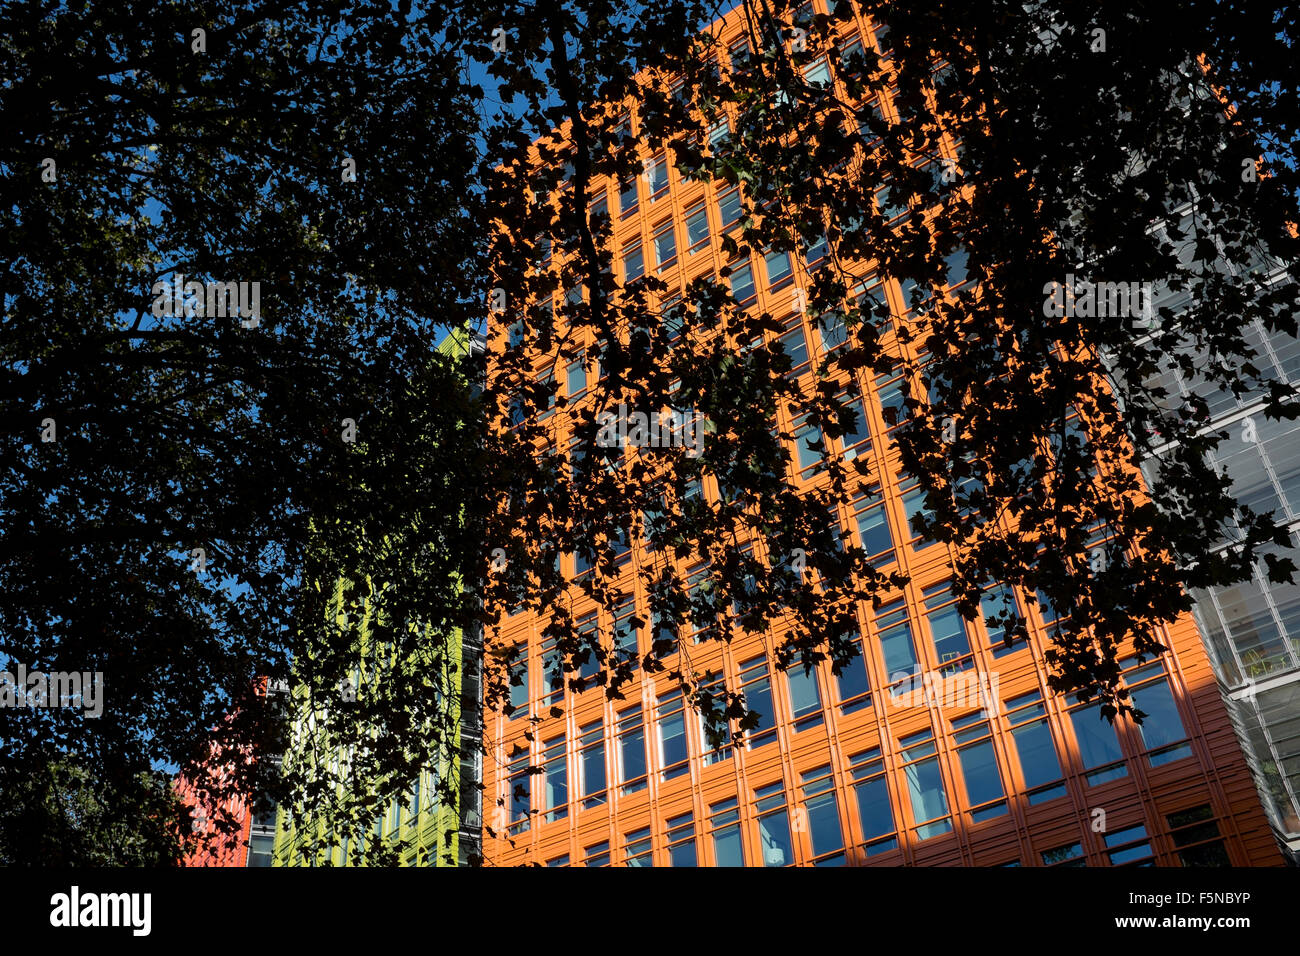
x=983, y=766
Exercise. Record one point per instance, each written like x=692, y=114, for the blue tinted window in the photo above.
x=1037, y=753
x=728, y=849
x=896, y=645
x=873, y=526
x=914, y=508
x=809, y=445
x=519, y=681
x=657, y=173
x=697, y=226
x=956, y=265
x=672, y=732
x=757, y=689
x=892, y=403
x=729, y=208
x=773, y=826
x=665, y=246
x=834, y=331
x=852, y=680
x=873, y=807
x=742, y=282
x=925, y=790
x=1161, y=725
x=627, y=197
x=631, y=750
x=1097, y=741
x=793, y=344
x=805, y=697
x=823, y=812
x=997, y=602
x=633, y=262
x=979, y=766
x=779, y=267
x=948, y=630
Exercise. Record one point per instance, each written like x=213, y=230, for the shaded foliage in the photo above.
x=217, y=432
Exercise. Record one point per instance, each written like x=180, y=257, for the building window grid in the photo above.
x=870, y=785
x=663, y=243
x=739, y=53
x=552, y=673
x=833, y=330
x=632, y=768
x=1266, y=344
x=756, y=686
x=1196, y=837
x=853, y=683
x=856, y=441
x=518, y=796
x=1097, y=745
x=730, y=209
x=520, y=694
x=1252, y=662
x=628, y=198
x=890, y=397
x=810, y=448
x=674, y=752
x=1152, y=676
x=996, y=601
x=911, y=501
x=597, y=854
x=629, y=206
x=588, y=633
x=794, y=343
x=698, y=231
x=626, y=634
x=656, y=175
x=555, y=779
x=633, y=260
x=726, y=836
x=972, y=738
x=820, y=817
x=949, y=635
x=575, y=375
x=741, y=283
x=897, y=644
x=638, y=848
x=591, y=764
x=773, y=823
x=1032, y=742
x=699, y=589
x=682, y=850
x=806, y=702
x=1271, y=604
x=1066, y=855
x=1130, y=846
x=715, y=756
x=871, y=519
x=931, y=811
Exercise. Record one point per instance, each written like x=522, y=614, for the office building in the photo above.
x=985, y=768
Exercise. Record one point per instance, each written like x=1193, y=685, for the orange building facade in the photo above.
x=970, y=761
x=216, y=848
x=249, y=842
